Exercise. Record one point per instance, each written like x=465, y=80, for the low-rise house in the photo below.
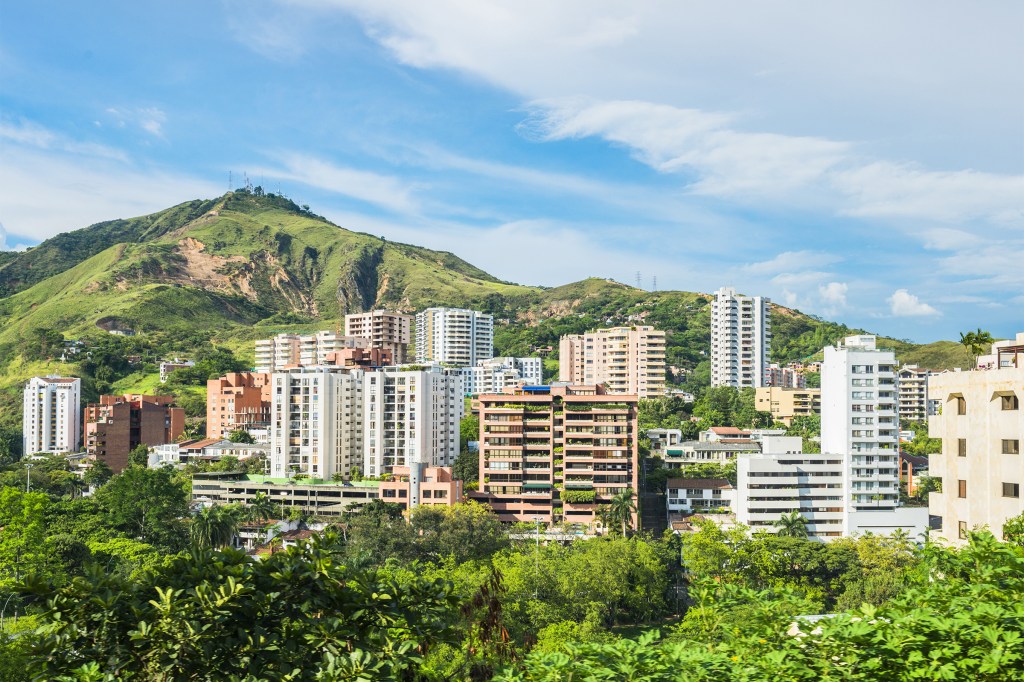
x=696, y=495
x=419, y=484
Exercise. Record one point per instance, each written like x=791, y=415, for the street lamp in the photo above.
x=536, y=554
x=28, y=481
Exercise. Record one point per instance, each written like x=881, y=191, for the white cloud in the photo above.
x=28, y=134
x=386, y=191
x=905, y=304
x=788, y=261
x=833, y=294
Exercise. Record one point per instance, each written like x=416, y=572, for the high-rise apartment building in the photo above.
x=740, y=339
x=913, y=393
x=237, y=401
x=385, y=329
x=784, y=377
x=629, y=360
x=860, y=421
x=982, y=429
x=316, y=422
x=556, y=452
x=454, y=336
x=411, y=416
x=497, y=374
x=118, y=424
x=289, y=350
x=52, y=417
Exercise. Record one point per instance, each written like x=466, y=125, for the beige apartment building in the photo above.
x=787, y=403
x=981, y=426
x=628, y=360
x=556, y=453
x=309, y=350
x=385, y=329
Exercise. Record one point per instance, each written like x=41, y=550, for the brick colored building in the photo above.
x=117, y=424
x=556, y=452
x=239, y=400
x=421, y=485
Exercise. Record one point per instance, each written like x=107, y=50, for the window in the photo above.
x=963, y=530
x=1010, y=402
x=1011, y=490
x=961, y=447
x=961, y=405
x=962, y=488
x=1011, y=446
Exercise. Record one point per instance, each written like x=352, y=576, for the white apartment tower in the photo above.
x=412, y=416
x=390, y=331
x=287, y=350
x=497, y=374
x=913, y=393
x=52, y=417
x=316, y=422
x=860, y=421
x=454, y=336
x=628, y=360
x=740, y=339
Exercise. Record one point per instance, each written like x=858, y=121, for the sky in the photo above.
x=863, y=162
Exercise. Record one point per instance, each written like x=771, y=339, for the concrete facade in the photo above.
x=454, y=336
x=420, y=484
x=497, y=374
x=289, y=350
x=237, y=401
x=913, y=393
x=385, y=329
x=982, y=429
x=787, y=403
x=740, y=339
x=556, y=452
x=628, y=360
x=52, y=415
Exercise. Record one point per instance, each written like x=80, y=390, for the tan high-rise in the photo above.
x=385, y=329
x=237, y=401
x=628, y=360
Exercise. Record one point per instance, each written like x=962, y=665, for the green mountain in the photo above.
x=247, y=265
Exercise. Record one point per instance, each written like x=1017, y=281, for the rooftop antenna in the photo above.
x=654, y=283
x=639, y=280
x=231, y=184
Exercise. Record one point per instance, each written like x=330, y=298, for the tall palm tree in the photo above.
x=621, y=509
x=214, y=527
x=791, y=525
x=976, y=343
x=260, y=507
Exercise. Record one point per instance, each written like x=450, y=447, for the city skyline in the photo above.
x=868, y=157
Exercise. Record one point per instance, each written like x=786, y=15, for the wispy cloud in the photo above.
x=386, y=191
x=32, y=135
x=789, y=261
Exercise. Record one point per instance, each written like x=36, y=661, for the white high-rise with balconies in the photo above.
x=316, y=422
x=628, y=360
x=740, y=339
x=412, y=416
x=454, y=336
x=860, y=421
x=287, y=350
x=52, y=417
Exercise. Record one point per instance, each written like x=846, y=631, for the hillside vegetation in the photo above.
x=248, y=265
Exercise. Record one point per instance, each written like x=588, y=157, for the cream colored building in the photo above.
x=981, y=426
x=288, y=350
x=454, y=336
x=787, y=403
x=629, y=360
x=385, y=329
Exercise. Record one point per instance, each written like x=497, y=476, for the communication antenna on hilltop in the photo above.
x=639, y=280
x=230, y=182
x=248, y=183
x=654, y=283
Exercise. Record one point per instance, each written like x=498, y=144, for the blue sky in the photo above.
x=859, y=161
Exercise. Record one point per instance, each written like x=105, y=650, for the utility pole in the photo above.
x=28, y=481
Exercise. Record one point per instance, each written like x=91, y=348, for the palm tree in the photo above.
x=621, y=509
x=261, y=507
x=214, y=527
x=791, y=525
x=976, y=343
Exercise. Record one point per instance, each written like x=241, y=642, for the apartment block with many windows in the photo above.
x=289, y=350
x=385, y=329
x=627, y=360
x=785, y=404
x=740, y=339
x=981, y=425
x=118, y=424
x=237, y=401
x=454, y=336
x=316, y=422
x=52, y=414
x=412, y=416
x=497, y=374
x=914, y=403
x=556, y=453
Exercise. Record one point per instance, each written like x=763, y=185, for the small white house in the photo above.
x=697, y=495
